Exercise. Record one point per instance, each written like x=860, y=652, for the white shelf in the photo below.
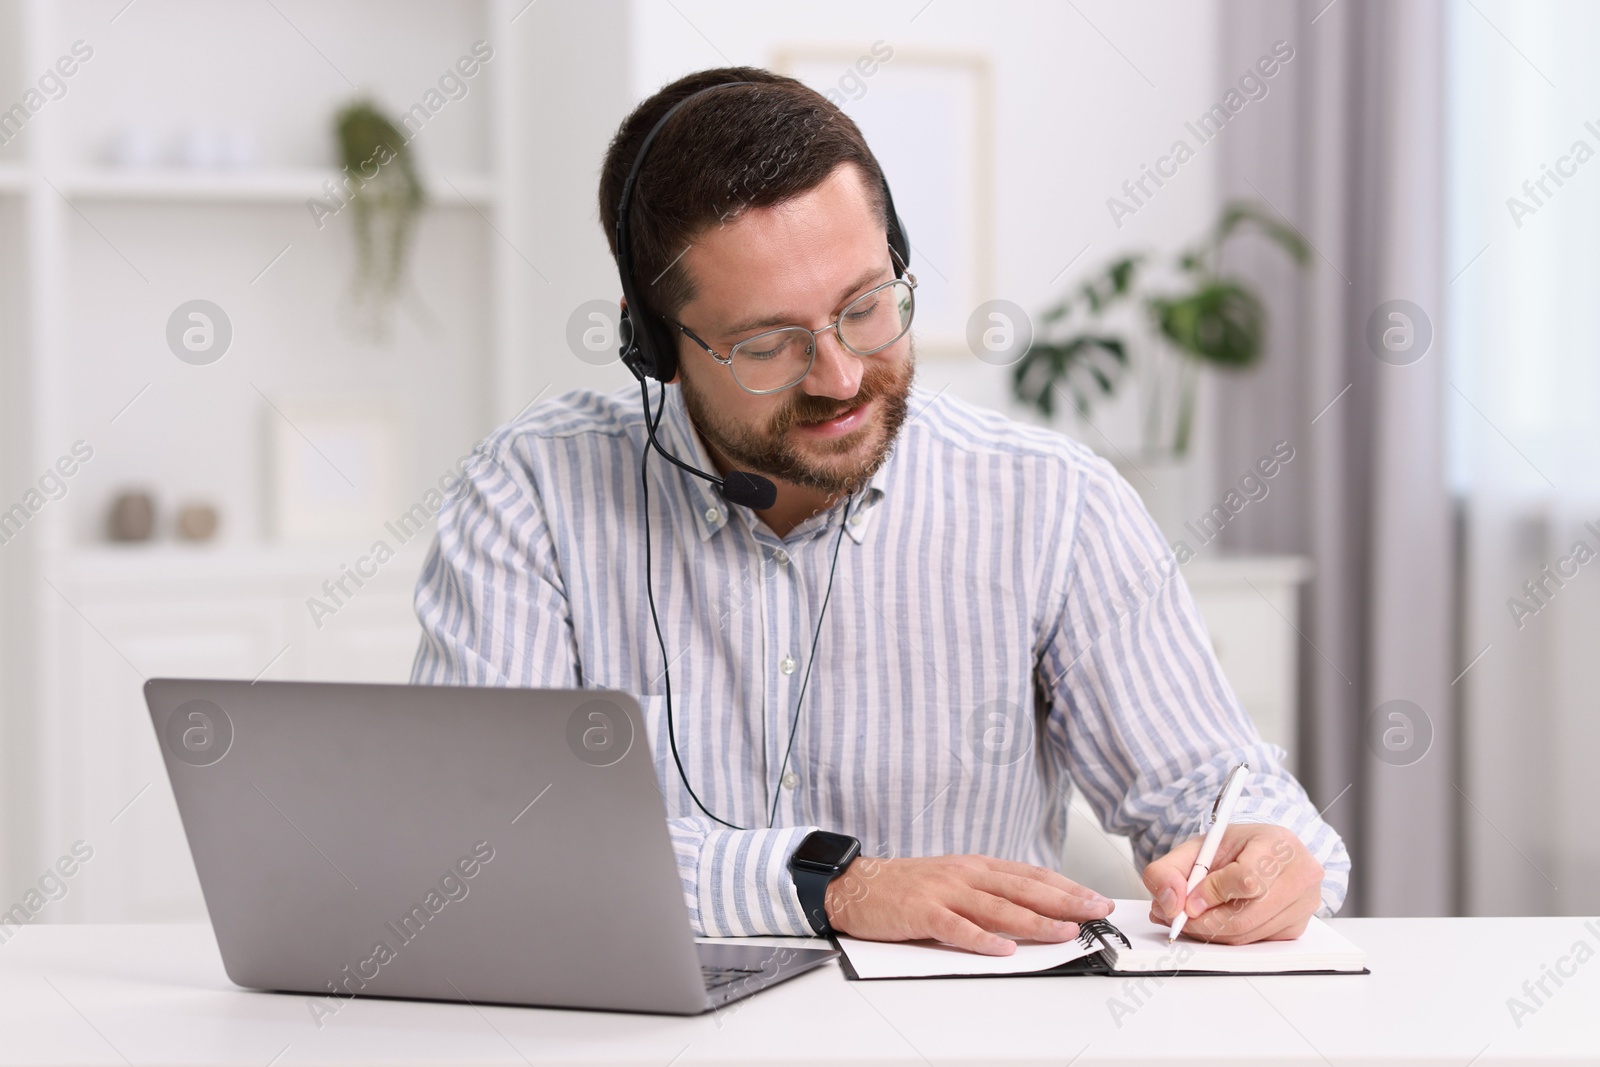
x=107, y=566
x=104, y=562
x=279, y=186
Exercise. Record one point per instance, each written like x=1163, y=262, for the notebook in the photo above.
x=1124, y=942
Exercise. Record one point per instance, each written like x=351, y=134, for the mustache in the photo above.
x=805, y=408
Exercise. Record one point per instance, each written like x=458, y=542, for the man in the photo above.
x=944, y=622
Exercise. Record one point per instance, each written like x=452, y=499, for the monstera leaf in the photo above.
x=1074, y=365
x=1083, y=365
x=1222, y=322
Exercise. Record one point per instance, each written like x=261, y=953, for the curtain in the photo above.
x=1525, y=447
x=1349, y=148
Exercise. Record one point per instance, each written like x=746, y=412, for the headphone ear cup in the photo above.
x=646, y=347
x=664, y=349
x=627, y=346
x=899, y=240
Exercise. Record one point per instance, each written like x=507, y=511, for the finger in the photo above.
x=1249, y=925
x=1167, y=879
x=1040, y=897
x=1297, y=919
x=956, y=929
x=1287, y=925
x=1217, y=922
x=1228, y=922
x=1261, y=871
x=1238, y=877
x=1045, y=876
x=1275, y=916
x=1001, y=916
x=1249, y=897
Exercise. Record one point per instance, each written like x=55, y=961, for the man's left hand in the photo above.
x=1263, y=886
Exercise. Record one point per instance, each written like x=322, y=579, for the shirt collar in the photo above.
x=711, y=512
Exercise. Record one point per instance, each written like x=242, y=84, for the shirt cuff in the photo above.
x=737, y=882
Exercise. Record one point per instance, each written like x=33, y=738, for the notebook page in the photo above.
x=1320, y=948
x=931, y=959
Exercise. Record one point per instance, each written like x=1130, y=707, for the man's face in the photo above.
x=795, y=264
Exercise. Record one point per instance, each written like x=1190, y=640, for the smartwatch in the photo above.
x=821, y=858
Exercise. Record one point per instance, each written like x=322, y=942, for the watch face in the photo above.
x=826, y=849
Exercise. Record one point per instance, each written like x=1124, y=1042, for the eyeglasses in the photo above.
x=779, y=359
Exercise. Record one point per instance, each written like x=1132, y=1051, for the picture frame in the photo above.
x=333, y=466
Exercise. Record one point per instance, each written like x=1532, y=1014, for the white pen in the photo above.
x=1221, y=812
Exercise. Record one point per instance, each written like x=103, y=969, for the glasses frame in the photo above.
x=727, y=361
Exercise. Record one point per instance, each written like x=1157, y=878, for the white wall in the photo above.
x=572, y=68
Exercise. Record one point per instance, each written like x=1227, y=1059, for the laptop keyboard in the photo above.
x=717, y=977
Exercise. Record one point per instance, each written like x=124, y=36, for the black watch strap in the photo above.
x=813, y=891
x=821, y=858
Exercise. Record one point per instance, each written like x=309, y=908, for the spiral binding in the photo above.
x=1101, y=930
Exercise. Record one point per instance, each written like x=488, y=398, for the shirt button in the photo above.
x=787, y=665
x=790, y=779
x=856, y=519
x=712, y=515
x=781, y=556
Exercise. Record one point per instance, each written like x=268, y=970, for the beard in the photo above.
x=768, y=449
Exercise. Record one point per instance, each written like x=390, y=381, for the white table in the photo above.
x=158, y=995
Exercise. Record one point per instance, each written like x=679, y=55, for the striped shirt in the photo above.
x=1006, y=625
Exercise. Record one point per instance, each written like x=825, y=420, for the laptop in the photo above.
x=490, y=845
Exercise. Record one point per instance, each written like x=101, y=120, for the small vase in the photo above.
x=132, y=517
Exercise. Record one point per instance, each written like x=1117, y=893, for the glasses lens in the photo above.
x=878, y=319
x=773, y=360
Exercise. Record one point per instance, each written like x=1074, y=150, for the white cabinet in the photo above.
x=114, y=791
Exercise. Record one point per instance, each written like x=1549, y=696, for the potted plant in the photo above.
x=1212, y=320
x=387, y=196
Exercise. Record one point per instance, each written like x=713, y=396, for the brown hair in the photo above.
x=749, y=146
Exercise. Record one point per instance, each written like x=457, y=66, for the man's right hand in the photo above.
x=973, y=902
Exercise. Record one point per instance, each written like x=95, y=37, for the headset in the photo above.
x=648, y=348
